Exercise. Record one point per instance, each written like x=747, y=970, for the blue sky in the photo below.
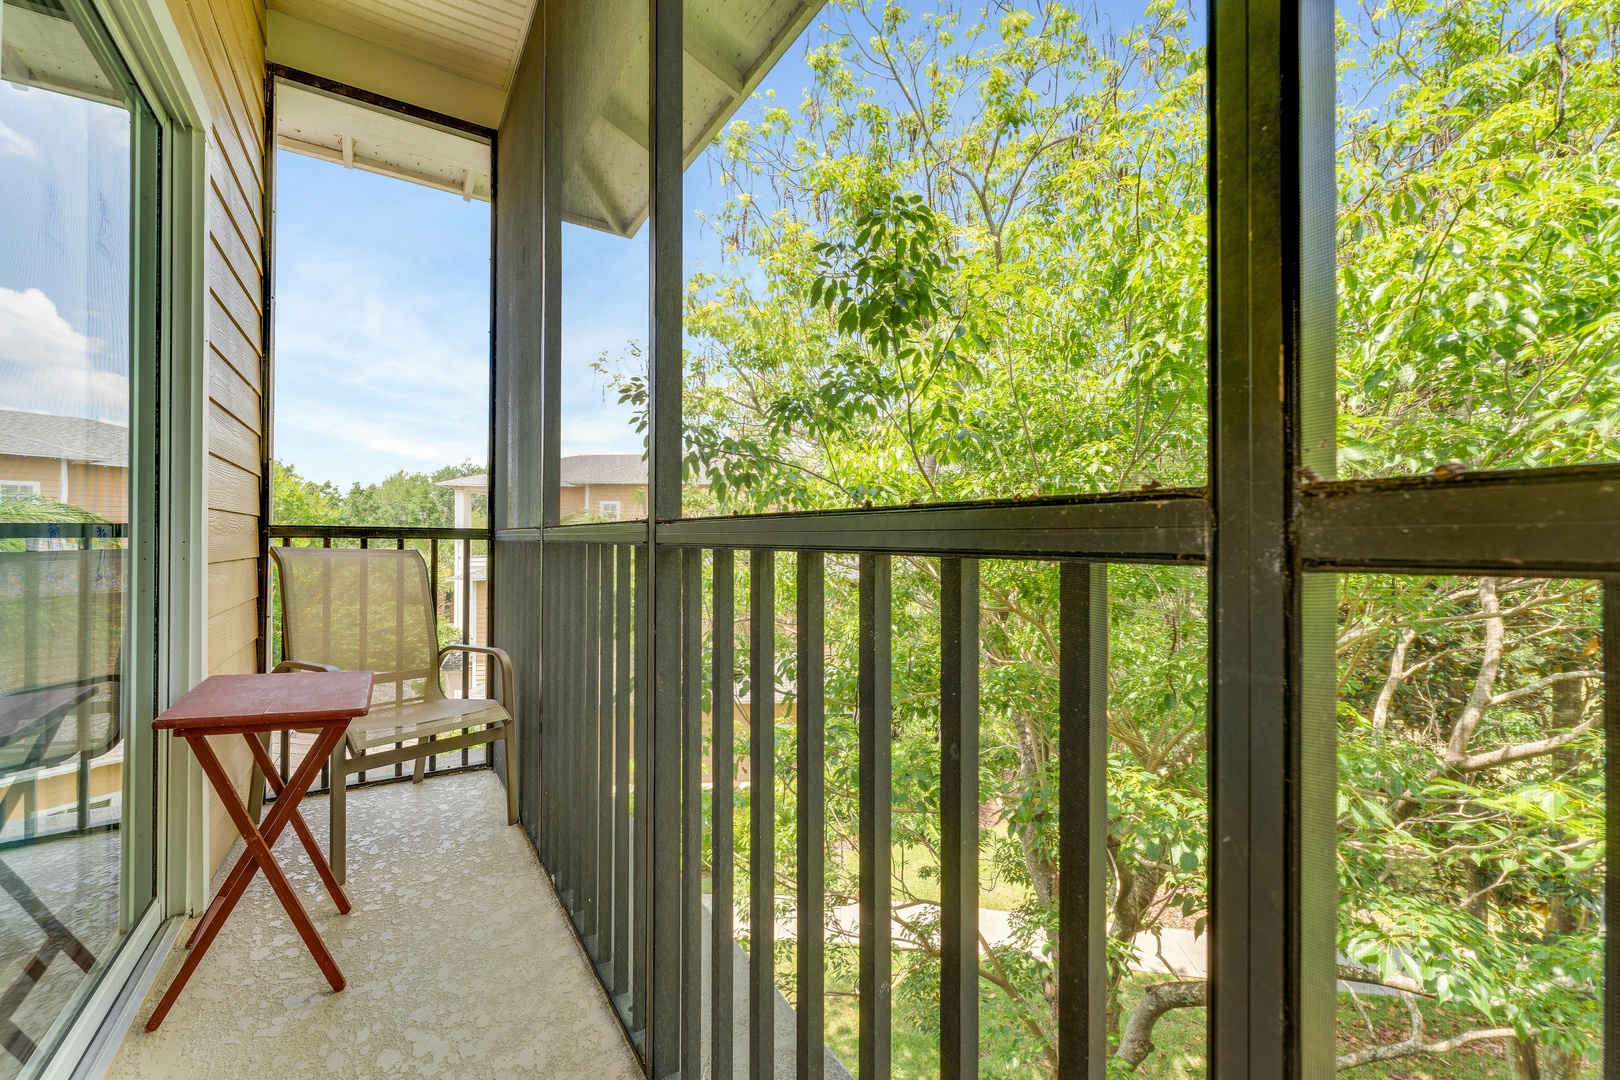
x=381, y=323
x=64, y=255
x=382, y=311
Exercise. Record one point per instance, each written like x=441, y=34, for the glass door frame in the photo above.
x=163, y=871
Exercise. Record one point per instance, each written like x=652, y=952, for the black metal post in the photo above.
x=812, y=820
x=959, y=819
x=876, y=809
x=722, y=826
x=762, y=815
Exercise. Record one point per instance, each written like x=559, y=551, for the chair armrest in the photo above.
x=301, y=665
x=500, y=657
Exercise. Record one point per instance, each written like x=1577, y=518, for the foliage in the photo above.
x=971, y=263
x=404, y=499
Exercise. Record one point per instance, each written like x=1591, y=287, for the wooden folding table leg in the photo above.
x=279, y=815
x=259, y=851
x=300, y=826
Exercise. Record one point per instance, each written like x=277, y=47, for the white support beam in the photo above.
x=719, y=70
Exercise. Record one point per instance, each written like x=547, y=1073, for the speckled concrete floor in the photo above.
x=77, y=879
x=459, y=961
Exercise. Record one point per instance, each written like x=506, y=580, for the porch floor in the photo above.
x=459, y=960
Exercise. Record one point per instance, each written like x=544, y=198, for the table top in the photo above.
x=231, y=703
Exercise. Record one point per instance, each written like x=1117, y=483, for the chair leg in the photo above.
x=509, y=745
x=338, y=811
x=419, y=770
x=255, y=802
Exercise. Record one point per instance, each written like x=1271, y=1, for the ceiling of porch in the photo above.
x=460, y=58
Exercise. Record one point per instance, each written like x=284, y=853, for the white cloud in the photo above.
x=14, y=143
x=376, y=373
x=47, y=366
x=395, y=436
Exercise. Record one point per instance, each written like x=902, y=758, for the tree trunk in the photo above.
x=1560, y=1064
x=1138, y=888
x=1522, y=1063
x=1478, y=901
x=1043, y=870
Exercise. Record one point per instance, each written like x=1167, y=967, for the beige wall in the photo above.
x=225, y=41
x=632, y=499
x=100, y=489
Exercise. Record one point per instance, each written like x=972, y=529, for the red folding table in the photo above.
x=251, y=706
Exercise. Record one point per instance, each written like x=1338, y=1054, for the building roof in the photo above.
x=582, y=469
x=41, y=435
x=577, y=471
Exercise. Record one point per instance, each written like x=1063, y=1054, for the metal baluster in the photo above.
x=761, y=815
x=602, y=647
x=812, y=808
x=1611, y=814
x=959, y=818
x=641, y=805
x=722, y=771
x=586, y=764
x=1082, y=972
x=692, y=812
x=568, y=842
x=664, y=886
x=576, y=733
x=550, y=722
x=876, y=806
x=621, y=773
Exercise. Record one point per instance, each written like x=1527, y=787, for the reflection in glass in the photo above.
x=1477, y=236
x=1471, y=825
x=65, y=229
x=944, y=253
x=597, y=116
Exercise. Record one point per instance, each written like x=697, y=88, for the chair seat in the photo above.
x=388, y=723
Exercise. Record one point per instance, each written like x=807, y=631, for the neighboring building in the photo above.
x=606, y=486
x=596, y=487
x=83, y=463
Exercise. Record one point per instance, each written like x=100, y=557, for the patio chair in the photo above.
x=373, y=610
x=59, y=682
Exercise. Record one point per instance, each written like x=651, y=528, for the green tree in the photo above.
x=297, y=501
x=971, y=263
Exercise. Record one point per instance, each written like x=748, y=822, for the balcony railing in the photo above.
x=643, y=830
x=460, y=577
x=61, y=596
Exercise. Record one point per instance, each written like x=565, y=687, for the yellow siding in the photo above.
x=100, y=489
x=225, y=40
x=632, y=499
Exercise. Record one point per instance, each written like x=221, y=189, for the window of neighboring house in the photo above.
x=610, y=509
x=18, y=489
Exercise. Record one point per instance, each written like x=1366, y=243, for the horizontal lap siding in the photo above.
x=225, y=42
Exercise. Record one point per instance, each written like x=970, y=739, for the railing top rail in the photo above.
x=373, y=532
x=74, y=530
x=1163, y=525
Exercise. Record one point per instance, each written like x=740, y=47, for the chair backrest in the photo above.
x=362, y=610
x=62, y=614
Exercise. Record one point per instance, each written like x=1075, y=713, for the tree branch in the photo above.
x=1136, y=1039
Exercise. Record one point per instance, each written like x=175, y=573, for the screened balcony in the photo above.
x=1033, y=543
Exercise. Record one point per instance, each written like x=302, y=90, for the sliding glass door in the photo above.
x=77, y=205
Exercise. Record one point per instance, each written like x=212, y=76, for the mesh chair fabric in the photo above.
x=62, y=615
x=363, y=610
